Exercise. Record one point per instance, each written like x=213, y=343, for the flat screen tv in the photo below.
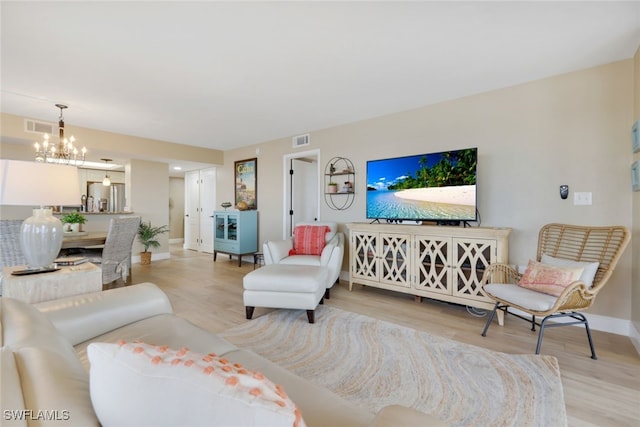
x=438, y=187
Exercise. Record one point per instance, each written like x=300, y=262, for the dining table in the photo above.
x=83, y=239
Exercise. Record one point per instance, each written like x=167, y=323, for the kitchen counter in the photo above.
x=94, y=213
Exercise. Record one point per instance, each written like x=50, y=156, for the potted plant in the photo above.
x=73, y=221
x=332, y=187
x=147, y=235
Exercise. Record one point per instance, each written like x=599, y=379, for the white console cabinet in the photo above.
x=439, y=262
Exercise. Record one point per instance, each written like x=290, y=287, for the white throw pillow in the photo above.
x=588, y=274
x=137, y=384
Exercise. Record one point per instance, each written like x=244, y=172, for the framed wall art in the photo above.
x=246, y=183
x=635, y=136
x=635, y=175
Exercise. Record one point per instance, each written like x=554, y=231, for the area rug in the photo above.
x=374, y=363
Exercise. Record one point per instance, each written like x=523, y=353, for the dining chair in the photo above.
x=10, y=249
x=115, y=259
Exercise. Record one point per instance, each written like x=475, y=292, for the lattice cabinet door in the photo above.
x=470, y=258
x=364, y=255
x=432, y=259
x=394, y=259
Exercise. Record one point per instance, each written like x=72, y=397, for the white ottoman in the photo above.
x=285, y=286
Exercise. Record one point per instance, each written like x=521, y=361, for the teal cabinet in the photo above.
x=235, y=233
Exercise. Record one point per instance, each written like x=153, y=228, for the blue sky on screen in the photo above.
x=384, y=172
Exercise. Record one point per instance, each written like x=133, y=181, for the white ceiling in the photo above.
x=229, y=74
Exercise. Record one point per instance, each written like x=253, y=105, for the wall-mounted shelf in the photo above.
x=339, y=170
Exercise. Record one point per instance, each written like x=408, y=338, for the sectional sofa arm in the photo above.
x=82, y=317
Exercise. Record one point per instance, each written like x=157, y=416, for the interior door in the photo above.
x=191, y=208
x=207, y=206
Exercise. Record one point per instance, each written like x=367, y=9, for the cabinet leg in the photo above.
x=215, y=254
x=418, y=298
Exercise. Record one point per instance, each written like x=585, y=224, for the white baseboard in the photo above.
x=612, y=325
x=597, y=322
x=156, y=256
x=634, y=334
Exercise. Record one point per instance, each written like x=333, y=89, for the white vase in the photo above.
x=41, y=238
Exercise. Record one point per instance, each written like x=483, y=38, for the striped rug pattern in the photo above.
x=375, y=363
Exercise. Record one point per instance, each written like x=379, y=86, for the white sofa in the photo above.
x=277, y=252
x=44, y=367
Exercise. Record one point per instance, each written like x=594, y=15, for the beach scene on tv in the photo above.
x=438, y=186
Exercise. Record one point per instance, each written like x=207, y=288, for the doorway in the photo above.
x=302, y=189
x=200, y=197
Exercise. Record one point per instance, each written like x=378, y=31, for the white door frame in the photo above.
x=286, y=165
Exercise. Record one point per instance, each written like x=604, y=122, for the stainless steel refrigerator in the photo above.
x=105, y=199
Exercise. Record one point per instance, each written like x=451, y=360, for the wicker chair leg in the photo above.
x=493, y=314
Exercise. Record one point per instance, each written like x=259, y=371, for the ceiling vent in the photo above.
x=301, y=140
x=34, y=126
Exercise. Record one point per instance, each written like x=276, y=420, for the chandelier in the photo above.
x=64, y=152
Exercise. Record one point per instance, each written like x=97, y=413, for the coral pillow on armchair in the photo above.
x=309, y=239
x=549, y=279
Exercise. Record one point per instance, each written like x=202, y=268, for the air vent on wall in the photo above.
x=301, y=140
x=33, y=126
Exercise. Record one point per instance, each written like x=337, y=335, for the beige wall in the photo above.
x=149, y=184
x=569, y=129
x=635, y=239
x=176, y=208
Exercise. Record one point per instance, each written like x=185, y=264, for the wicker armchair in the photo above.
x=567, y=244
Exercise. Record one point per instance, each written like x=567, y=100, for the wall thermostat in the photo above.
x=564, y=191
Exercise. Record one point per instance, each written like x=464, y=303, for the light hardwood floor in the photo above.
x=603, y=392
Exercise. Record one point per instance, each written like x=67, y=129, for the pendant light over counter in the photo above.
x=106, y=181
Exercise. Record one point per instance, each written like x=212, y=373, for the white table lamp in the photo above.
x=45, y=185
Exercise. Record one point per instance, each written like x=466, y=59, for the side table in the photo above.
x=33, y=288
x=258, y=259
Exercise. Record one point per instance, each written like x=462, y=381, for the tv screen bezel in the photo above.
x=448, y=221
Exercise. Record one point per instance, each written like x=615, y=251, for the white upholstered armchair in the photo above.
x=277, y=252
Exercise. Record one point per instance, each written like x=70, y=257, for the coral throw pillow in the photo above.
x=309, y=239
x=549, y=279
x=137, y=384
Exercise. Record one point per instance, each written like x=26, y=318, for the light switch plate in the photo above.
x=582, y=198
